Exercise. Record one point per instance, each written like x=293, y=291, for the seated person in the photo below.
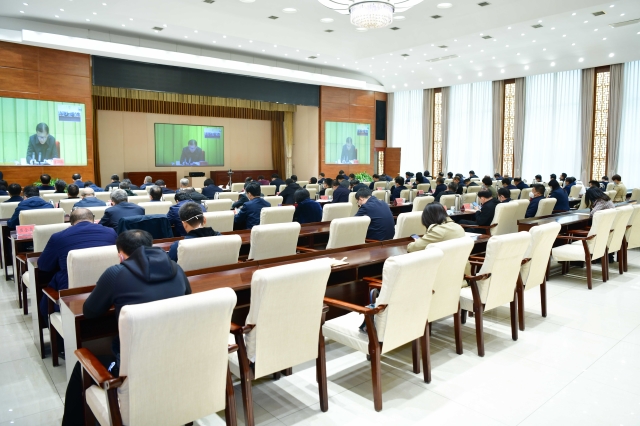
x=408, y=176
x=449, y=175
x=163, y=187
x=538, y=179
x=398, y=188
x=194, y=223
x=440, y=187
x=419, y=180
x=340, y=178
x=294, y=178
x=562, y=199
x=131, y=185
x=146, y=274
x=155, y=193
x=288, y=191
x=504, y=195
x=3, y=187
x=32, y=201
x=89, y=199
x=276, y=181
x=89, y=184
x=604, y=182
x=484, y=215
x=563, y=180
x=83, y=233
x=322, y=178
x=596, y=199
x=261, y=180
x=60, y=186
x=307, y=210
x=72, y=192
x=148, y=181
x=340, y=193
x=569, y=182
x=242, y=198
x=14, y=193
x=439, y=226
x=249, y=215
x=595, y=184
x=313, y=181
x=488, y=186
x=519, y=183
x=467, y=182
x=552, y=176
x=620, y=188
x=77, y=179
x=355, y=185
x=452, y=189
x=382, y=226
x=174, y=214
x=376, y=178
x=125, y=187
x=456, y=180
x=326, y=184
x=210, y=189
x=506, y=183
x=115, y=183
x=121, y=207
x=191, y=193
x=46, y=183
x=497, y=176
x=472, y=175
x=386, y=177
x=538, y=195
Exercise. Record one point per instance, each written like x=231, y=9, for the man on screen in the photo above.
x=348, y=152
x=191, y=153
x=42, y=146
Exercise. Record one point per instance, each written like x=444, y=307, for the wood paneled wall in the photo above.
x=349, y=105
x=29, y=72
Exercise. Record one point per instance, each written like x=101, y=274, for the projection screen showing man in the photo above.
x=347, y=143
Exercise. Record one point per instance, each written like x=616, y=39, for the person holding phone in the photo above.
x=42, y=145
x=439, y=226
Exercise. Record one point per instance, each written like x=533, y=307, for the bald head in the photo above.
x=80, y=215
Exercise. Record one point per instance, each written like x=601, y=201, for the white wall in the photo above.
x=306, y=132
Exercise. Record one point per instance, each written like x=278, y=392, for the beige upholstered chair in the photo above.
x=46, y=191
x=312, y=192
x=275, y=240
x=433, y=184
x=208, y=252
x=54, y=197
x=237, y=187
x=610, y=187
x=469, y=198
x=619, y=227
x=313, y=186
x=302, y=183
x=504, y=220
x=632, y=235
x=275, y=344
x=448, y=181
x=218, y=205
x=67, y=204
x=575, y=191
x=583, y=203
x=635, y=195
x=7, y=210
x=354, y=203
x=138, y=199
x=409, y=224
x=328, y=192
x=421, y=202
x=41, y=217
x=448, y=200
x=424, y=187
x=153, y=372
x=408, y=194
x=143, y=192
x=611, y=194
x=495, y=283
x=588, y=246
x=156, y=207
x=4, y=198
x=282, y=214
x=349, y=231
x=547, y=191
x=233, y=196
x=446, y=288
x=274, y=200
x=524, y=194
x=474, y=189
x=545, y=207
x=533, y=272
x=515, y=194
x=335, y=211
x=268, y=189
x=401, y=313
x=104, y=196
x=379, y=194
x=98, y=212
x=220, y=221
x=522, y=208
x=380, y=185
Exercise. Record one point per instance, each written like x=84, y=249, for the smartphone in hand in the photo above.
x=415, y=236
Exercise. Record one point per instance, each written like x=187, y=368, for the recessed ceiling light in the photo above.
x=507, y=45
x=405, y=85
x=622, y=14
x=540, y=21
x=22, y=11
x=468, y=45
x=247, y=1
x=459, y=77
x=573, y=44
x=239, y=45
x=61, y=10
x=581, y=60
x=104, y=4
x=493, y=57
x=479, y=74
x=606, y=38
x=553, y=28
x=289, y=10
x=544, y=49
x=508, y=28
x=553, y=64
x=422, y=82
x=131, y=19
x=224, y=36
x=502, y=71
x=526, y=67
x=518, y=54
x=195, y=31
x=275, y=45
x=471, y=62
x=393, y=86
x=164, y=25
x=534, y=41
x=611, y=55
x=439, y=79
x=564, y=35
x=26, y=4
x=263, y=50
x=156, y=31
x=522, y=34
x=251, y=41
x=595, y=29
x=399, y=18
x=56, y=16
x=326, y=20
x=186, y=36
x=88, y=20
x=573, y=14
x=215, y=41
x=585, y=22
x=361, y=29
x=94, y=13
x=612, y=5
x=444, y=5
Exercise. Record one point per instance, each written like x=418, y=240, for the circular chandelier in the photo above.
x=371, y=14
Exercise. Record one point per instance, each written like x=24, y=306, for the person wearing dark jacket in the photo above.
x=194, y=224
x=376, y=178
x=249, y=214
x=326, y=184
x=89, y=184
x=569, y=183
x=382, y=226
x=210, y=189
x=519, y=183
x=145, y=275
x=32, y=201
x=83, y=233
x=484, y=216
x=459, y=185
x=148, y=181
x=452, y=189
x=504, y=195
x=440, y=187
x=356, y=185
x=322, y=178
x=89, y=199
x=191, y=193
x=538, y=195
x=115, y=183
x=14, y=191
x=287, y=193
x=562, y=199
x=398, y=188
x=307, y=210
x=164, y=188
x=174, y=214
x=121, y=208
x=275, y=180
x=3, y=187
x=46, y=183
x=42, y=145
x=506, y=183
x=340, y=193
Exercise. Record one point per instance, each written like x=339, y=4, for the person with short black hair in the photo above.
x=376, y=178
x=468, y=182
x=60, y=186
x=484, y=215
x=276, y=181
x=519, y=183
x=210, y=189
x=408, y=176
x=249, y=215
x=163, y=187
x=32, y=201
x=459, y=187
x=340, y=193
x=620, y=188
x=307, y=210
x=14, y=193
x=596, y=200
x=121, y=208
x=439, y=227
x=3, y=187
x=449, y=175
x=45, y=180
x=552, y=176
x=291, y=186
x=604, y=182
x=538, y=179
x=115, y=183
x=487, y=184
x=563, y=178
x=90, y=184
x=537, y=192
x=77, y=179
x=504, y=195
x=382, y=226
x=497, y=176
x=440, y=186
x=420, y=178
x=452, y=189
x=313, y=181
x=569, y=182
x=326, y=184
x=472, y=175
x=126, y=188
x=397, y=189
x=194, y=223
x=191, y=153
x=594, y=184
x=42, y=145
x=194, y=195
x=89, y=199
x=356, y=185
x=173, y=215
x=73, y=191
x=562, y=199
x=131, y=185
x=506, y=183
x=148, y=181
x=322, y=178
x=155, y=193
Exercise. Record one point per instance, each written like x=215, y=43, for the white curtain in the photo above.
x=470, y=129
x=629, y=149
x=407, y=130
x=552, y=125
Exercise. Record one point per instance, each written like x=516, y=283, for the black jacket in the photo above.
x=277, y=182
x=358, y=186
x=484, y=217
x=288, y=192
x=115, y=184
x=447, y=192
x=439, y=188
x=193, y=194
x=308, y=211
x=113, y=214
x=340, y=195
x=382, y=226
x=396, y=191
x=210, y=191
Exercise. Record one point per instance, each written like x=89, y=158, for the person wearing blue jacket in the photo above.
x=382, y=226
x=519, y=183
x=96, y=188
x=210, y=189
x=307, y=210
x=538, y=195
x=340, y=192
x=397, y=190
x=194, y=223
x=570, y=182
x=32, y=201
x=562, y=199
x=89, y=199
x=121, y=208
x=249, y=214
x=174, y=214
x=14, y=192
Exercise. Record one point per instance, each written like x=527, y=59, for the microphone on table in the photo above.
x=39, y=157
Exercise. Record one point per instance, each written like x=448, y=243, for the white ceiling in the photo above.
x=244, y=29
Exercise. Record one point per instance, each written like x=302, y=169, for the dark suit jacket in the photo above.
x=249, y=214
x=33, y=203
x=533, y=206
x=90, y=202
x=166, y=190
x=277, y=182
x=484, y=217
x=113, y=214
x=14, y=199
x=340, y=195
x=358, y=186
x=288, y=192
x=562, y=199
x=440, y=194
x=45, y=151
x=382, y=226
x=510, y=187
x=522, y=186
x=191, y=157
x=210, y=191
x=46, y=187
x=439, y=188
x=396, y=191
x=112, y=185
x=308, y=211
x=174, y=218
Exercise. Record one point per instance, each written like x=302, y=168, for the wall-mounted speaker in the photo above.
x=381, y=120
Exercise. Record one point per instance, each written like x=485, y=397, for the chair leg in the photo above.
x=230, y=415
x=546, y=275
x=19, y=287
x=620, y=258
x=543, y=298
x=514, y=320
x=25, y=303
x=287, y=371
x=625, y=253
x=245, y=382
x=463, y=316
x=321, y=374
x=479, y=330
x=589, y=274
x=415, y=356
x=520, y=294
x=457, y=329
x=53, y=337
x=276, y=376
x=374, y=353
x=605, y=266
x=425, y=343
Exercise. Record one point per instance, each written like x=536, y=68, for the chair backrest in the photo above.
x=619, y=228
x=633, y=233
x=156, y=207
x=354, y=203
x=379, y=194
x=282, y=214
x=448, y=200
x=601, y=225
x=312, y=186
x=41, y=216
x=583, y=203
x=220, y=221
x=469, y=198
x=233, y=196
x=274, y=240
x=42, y=234
x=522, y=208
x=449, y=276
x=328, y=192
x=218, y=205
x=98, y=212
x=157, y=371
x=276, y=344
x=545, y=207
x=104, y=196
x=407, y=286
x=448, y=181
x=237, y=187
x=611, y=194
x=610, y=186
x=474, y=189
x=524, y=194
x=542, y=239
x=433, y=184
x=302, y=183
x=208, y=252
x=424, y=187
x=312, y=192
x=7, y=210
x=335, y=211
x=268, y=189
x=54, y=197
x=46, y=191
x=85, y=266
x=505, y=217
x=348, y=231
x=380, y=184
x=274, y=200
x=515, y=194
x=575, y=191
x=137, y=199
x=141, y=192
x=157, y=225
x=409, y=224
x=635, y=194
x=503, y=259
x=405, y=193
x=4, y=198
x=421, y=202
x=67, y=204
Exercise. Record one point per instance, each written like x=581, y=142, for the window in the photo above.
x=629, y=149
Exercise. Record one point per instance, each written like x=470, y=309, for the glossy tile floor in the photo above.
x=578, y=366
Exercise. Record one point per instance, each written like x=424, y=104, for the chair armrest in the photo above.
x=477, y=277
x=571, y=238
x=233, y=348
x=96, y=370
x=375, y=285
x=367, y=240
x=306, y=250
x=524, y=261
x=477, y=258
x=372, y=280
x=578, y=231
x=238, y=329
x=33, y=254
x=352, y=307
x=475, y=262
x=52, y=294
x=479, y=226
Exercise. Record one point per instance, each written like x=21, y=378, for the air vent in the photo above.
x=405, y=54
x=328, y=31
x=484, y=3
x=312, y=57
x=442, y=58
x=436, y=16
x=273, y=17
x=599, y=13
x=209, y=1
x=487, y=37
x=536, y=26
x=443, y=47
x=395, y=28
x=625, y=23
x=157, y=28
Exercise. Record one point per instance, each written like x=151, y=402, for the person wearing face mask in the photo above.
x=192, y=153
x=195, y=224
x=42, y=145
x=382, y=226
